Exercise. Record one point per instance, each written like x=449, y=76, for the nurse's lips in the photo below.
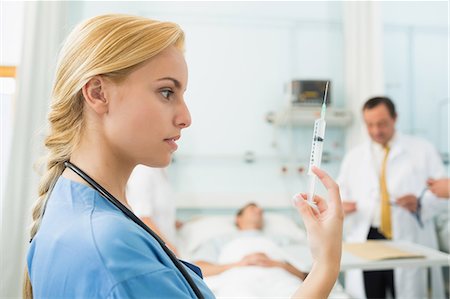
x=171, y=142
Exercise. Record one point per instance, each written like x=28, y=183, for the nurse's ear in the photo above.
x=95, y=96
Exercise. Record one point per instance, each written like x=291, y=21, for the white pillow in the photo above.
x=194, y=232
x=278, y=224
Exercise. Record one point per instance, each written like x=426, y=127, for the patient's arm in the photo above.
x=261, y=259
x=253, y=259
x=210, y=269
x=288, y=267
x=294, y=271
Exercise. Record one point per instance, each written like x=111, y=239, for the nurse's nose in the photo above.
x=183, y=117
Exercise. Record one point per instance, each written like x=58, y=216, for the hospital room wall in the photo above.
x=417, y=68
x=241, y=55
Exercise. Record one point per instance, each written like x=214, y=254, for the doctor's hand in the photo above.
x=408, y=202
x=348, y=206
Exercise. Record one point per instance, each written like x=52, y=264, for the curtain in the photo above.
x=363, y=61
x=43, y=35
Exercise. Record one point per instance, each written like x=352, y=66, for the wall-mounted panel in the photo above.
x=430, y=85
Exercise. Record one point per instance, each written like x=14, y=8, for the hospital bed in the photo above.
x=201, y=225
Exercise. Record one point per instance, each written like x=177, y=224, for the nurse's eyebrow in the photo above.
x=175, y=81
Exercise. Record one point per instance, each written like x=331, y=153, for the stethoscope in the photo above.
x=136, y=220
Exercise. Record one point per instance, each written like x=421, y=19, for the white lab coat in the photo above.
x=410, y=163
x=150, y=195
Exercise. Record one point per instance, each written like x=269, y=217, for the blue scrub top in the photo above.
x=87, y=248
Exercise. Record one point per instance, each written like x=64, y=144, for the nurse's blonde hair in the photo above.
x=110, y=45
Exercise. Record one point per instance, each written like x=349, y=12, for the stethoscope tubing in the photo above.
x=108, y=196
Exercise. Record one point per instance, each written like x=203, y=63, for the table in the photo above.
x=432, y=257
x=300, y=256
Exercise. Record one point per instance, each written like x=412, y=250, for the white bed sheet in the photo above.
x=251, y=281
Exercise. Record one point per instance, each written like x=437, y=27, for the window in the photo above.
x=7, y=94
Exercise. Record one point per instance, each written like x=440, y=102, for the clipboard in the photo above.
x=378, y=250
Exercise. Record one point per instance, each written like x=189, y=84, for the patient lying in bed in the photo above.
x=247, y=247
x=249, y=262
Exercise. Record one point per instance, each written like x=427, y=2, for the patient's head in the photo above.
x=250, y=217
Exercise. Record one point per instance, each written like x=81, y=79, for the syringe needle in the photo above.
x=316, y=149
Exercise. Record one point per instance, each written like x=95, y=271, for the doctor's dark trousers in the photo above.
x=376, y=283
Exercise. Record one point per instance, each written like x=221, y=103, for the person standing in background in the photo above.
x=383, y=185
x=151, y=198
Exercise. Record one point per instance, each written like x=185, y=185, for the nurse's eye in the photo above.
x=166, y=93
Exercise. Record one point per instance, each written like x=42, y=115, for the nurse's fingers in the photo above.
x=307, y=213
x=319, y=201
x=332, y=188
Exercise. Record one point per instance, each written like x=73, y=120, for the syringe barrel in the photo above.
x=311, y=187
x=317, y=144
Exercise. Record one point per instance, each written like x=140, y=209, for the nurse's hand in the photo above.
x=324, y=231
x=408, y=202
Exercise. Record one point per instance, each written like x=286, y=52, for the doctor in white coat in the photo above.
x=151, y=198
x=403, y=170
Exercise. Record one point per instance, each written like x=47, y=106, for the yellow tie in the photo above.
x=386, y=226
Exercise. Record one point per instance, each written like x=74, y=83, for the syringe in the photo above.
x=316, y=149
